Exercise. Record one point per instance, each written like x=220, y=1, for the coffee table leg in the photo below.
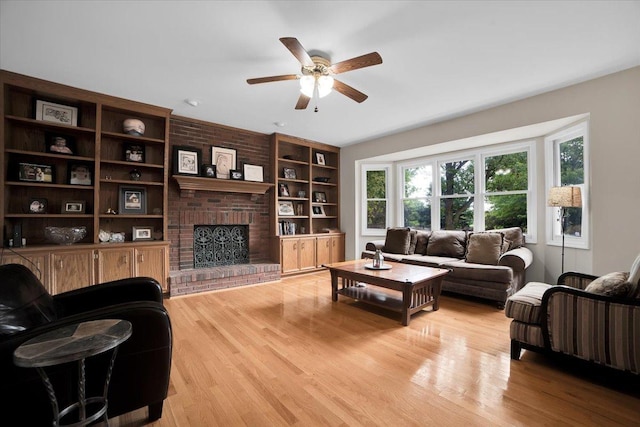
x=406, y=302
x=334, y=285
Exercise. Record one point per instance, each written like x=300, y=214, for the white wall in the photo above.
x=613, y=103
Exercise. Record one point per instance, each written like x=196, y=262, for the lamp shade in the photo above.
x=565, y=197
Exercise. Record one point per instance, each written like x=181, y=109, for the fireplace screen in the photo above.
x=215, y=245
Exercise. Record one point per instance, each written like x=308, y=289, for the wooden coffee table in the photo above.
x=419, y=286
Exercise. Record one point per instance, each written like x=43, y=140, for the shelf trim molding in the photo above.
x=190, y=184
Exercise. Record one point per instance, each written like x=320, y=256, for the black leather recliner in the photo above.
x=142, y=367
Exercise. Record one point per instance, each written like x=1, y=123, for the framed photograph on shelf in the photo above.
x=80, y=174
x=299, y=209
x=289, y=173
x=253, y=173
x=133, y=153
x=319, y=197
x=73, y=207
x=283, y=190
x=35, y=173
x=318, y=211
x=236, y=174
x=57, y=113
x=285, y=208
x=320, y=159
x=225, y=161
x=141, y=233
x=60, y=144
x=186, y=160
x=208, y=171
x=132, y=200
x=38, y=206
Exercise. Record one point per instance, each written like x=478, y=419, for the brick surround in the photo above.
x=204, y=207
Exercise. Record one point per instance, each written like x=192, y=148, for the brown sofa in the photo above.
x=489, y=265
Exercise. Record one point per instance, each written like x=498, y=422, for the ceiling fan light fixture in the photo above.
x=307, y=85
x=325, y=84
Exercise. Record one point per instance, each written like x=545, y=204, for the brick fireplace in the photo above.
x=218, y=208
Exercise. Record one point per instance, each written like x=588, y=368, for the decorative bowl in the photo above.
x=65, y=235
x=133, y=127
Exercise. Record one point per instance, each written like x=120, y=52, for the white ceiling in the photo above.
x=441, y=59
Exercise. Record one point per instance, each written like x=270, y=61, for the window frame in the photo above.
x=552, y=179
x=401, y=196
x=387, y=168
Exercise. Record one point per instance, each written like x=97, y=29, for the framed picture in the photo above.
x=253, y=173
x=38, y=206
x=133, y=153
x=60, y=144
x=141, y=233
x=236, y=174
x=132, y=200
x=80, y=174
x=35, y=173
x=73, y=207
x=208, y=171
x=283, y=190
x=299, y=209
x=320, y=159
x=289, y=173
x=285, y=208
x=319, y=197
x=186, y=160
x=57, y=113
x=225, y=161
x=318, y=210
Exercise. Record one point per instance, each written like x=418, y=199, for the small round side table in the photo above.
x=75, y=343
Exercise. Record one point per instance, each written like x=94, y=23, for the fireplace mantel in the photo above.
x=190, y=184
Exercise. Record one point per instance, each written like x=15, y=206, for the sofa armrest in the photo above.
x=576, y=280
x=374, y=245
x=107, y=294
x=593, y=327
x=518, y=259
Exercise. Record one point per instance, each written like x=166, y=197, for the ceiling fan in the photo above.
x=316, y=78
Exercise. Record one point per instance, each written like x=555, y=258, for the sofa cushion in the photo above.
x=422, y=238
x=513, y=235
x=484, y=248
x=448, y=243
x=413, y=240
x=613, y=284
x=634, y=277
x=524, y=305
x=24, y=302
x=397, y=241
x=478, y=272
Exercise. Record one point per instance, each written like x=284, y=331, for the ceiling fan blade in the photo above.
x=303, y=101
x=298, y=51
x=348, y=91
x=367, y=60
x=272, y=79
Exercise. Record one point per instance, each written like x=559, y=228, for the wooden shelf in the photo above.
x=189, y=184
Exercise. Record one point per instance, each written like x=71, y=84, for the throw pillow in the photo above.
x=448, y=243
x=413, y=240
x=484, y=248
x=397, y=241
x=422, y=239
x=613, y=284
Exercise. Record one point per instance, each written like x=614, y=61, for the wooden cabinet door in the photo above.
x=337, y=248
x=36, y=262
x=71, y=270
x=323, y=249
x=151, y=262
x=307, y=252
x=289, y=255
x=115, y=264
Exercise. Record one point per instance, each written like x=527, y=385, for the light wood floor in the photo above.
x=283, y=353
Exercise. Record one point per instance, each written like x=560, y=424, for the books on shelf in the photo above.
x=286, y=228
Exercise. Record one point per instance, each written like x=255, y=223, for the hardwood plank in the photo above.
x=282, y=353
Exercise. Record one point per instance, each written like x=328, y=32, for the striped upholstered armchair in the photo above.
x=571, y=319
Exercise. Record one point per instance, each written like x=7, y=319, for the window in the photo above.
x=566, y=160
x=417, y=191
x=376, y=199
x=476, y=190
